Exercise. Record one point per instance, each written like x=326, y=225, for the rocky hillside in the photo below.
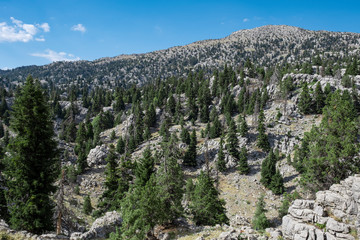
x=265, y=46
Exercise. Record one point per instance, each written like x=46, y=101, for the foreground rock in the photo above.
x=334, y=214
x=101, y=228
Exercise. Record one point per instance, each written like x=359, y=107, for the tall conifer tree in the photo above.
x=32, y=165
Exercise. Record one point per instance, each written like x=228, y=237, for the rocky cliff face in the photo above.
x=334, y=214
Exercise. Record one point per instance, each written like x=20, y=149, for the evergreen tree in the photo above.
x=185, y=136
x=1, y=130
x=120, y=146
x=206, y=206
x=260, y=222
x=232, y=140
x=87, y=208
x=32, y=165
x=243, y=166
x=319, y=99
x=243, y=127
x=110, y=198
x=204, y=114
x=332, y=145
x=262, y=138
x=4, y=214
x=141, y=209
x=268, y=169
x=190, y=155
x=170, y=179
x=150, y=116
x=277, y=183
x=216, y=128
x=144, y=168
x=305, y=100
x=221, y=164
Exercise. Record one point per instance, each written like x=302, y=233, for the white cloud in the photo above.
x=78, y=27
x=53, y=56
x=40, y=39
x=21, y=32
x=5, y=68
x=246, y=20
x=45, y=27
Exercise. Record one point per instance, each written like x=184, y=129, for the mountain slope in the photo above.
x=265, y=46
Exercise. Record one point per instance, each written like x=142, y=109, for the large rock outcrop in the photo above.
x=101, y=227
x=334, y=214
x=97, y=156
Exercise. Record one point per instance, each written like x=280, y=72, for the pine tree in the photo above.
x=221, y=164
x=277, y=183
x=150, y=116
x=170, y=179
x=262, y=138
x=1, y=130
x=120, y=146
x=332, y=145
x=305, y=100
x=185, y=136
x=109, y=199
x=141, y=209
x=319, y=99
x=190, y=155
x=232, y=140
x=204, y=114
x=87, y=207
x=243, y=127
x=206, y=206
x=32, y=165
x=144, y=168
x=243, y=166
x=260, y=222
x=268, y=169
x=216, y=128
x=4, y=214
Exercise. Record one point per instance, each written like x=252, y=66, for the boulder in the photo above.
x=97, y=156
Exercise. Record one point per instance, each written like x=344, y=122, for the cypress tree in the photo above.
x=190, y=155
x=32, y=166
x=243, y=166
x=206, y=206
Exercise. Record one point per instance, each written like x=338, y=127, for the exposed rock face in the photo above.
x=334, y=214
x=97, y=156
x=101, y=227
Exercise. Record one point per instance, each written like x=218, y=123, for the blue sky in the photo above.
x=39, y=32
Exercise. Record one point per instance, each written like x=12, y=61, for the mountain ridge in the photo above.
x=269, y=44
